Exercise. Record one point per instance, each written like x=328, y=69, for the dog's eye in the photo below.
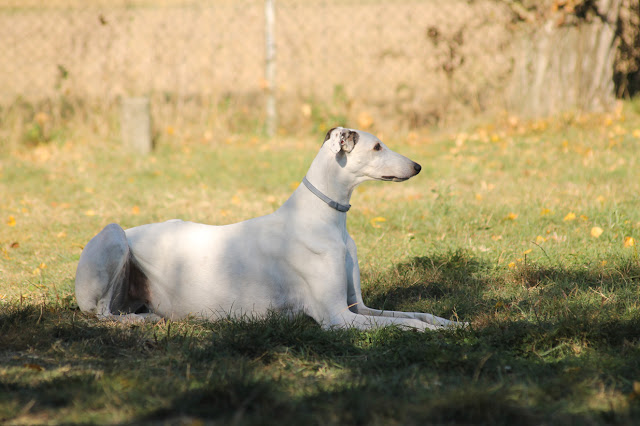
x=378, y=147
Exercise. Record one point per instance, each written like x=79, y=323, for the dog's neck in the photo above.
x=329, y=177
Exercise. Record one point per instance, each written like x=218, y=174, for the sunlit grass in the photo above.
x=527, y=230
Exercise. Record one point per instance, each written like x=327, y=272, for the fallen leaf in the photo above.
x=11, y=221
x=527, y=251
x=306, y=110
x=14, y=245
x=365, y=120
x=545, y=212
x=540, y=239
x=89, y=213
x=135, y=210
x=376, y=220
x=511, y=216
x=596, y=231
x=629, y=242
x=35, y=367
x=569, y=217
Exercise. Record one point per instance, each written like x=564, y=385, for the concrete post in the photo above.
x=135, y=124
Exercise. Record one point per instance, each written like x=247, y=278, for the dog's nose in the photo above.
x=417, y=167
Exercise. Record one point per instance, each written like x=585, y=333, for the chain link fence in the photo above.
x=380, y=64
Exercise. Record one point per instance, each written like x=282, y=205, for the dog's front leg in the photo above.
x=356, y=304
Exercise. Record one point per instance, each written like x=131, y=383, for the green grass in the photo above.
x=484, y=234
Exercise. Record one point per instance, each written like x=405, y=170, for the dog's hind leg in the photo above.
x=108, y=283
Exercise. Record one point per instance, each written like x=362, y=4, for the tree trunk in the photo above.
x=567, y=66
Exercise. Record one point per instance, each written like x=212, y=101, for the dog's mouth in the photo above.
x=393, y=178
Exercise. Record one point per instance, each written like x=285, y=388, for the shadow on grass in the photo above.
x=460, y=285
x=440, y=284
x=553, y=351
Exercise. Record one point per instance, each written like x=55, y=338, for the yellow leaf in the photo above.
x=603, y=263
x=170, y=130
x=569, y=217
x=11, y=221
x=629, y=242
x=135, y=210
x=479, y=197
x=376, y=220
x=596, y=231
x=61, y=234
x=365, y=120
x=235, y=200
x=90, y=213
x=512, y=265
x=540, y=239
x=527, y=251
x=636, y=133
x=496, y=237
x=42, y=266
x=511, y=216
x=35, y=367
x=545, y=212
x=306, y=110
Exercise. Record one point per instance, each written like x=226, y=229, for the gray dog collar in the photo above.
x=329, y=201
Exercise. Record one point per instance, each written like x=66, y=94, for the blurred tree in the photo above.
x=568, y=58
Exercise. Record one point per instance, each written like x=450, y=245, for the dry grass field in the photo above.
x=527, y=230
x=386, y=65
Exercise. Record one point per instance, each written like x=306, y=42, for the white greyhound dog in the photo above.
x=299, y=259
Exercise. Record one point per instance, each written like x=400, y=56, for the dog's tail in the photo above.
x=104, y=273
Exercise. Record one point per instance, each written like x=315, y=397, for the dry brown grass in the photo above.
x=380, y=64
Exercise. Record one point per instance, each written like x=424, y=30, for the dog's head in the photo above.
x=365, y=156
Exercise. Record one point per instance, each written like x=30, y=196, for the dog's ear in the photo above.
x=340, y=139
x=348, y=140
x=333, y=139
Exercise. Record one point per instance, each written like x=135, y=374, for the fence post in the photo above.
x=270, y=67
x=135, y=124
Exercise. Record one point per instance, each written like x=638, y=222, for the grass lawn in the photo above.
x=527, y=230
